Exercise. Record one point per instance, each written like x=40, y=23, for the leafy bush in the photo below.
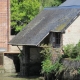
x=79, y=70
x=68, y=49
x=47, y=65
x=46, y=52
x=78, y=48
x=71, y=51
x=58, y=68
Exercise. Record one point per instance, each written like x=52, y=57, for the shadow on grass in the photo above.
x=15, y=75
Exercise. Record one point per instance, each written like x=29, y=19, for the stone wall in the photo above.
x=71, y=71
x=9, y=62
x=72, y=33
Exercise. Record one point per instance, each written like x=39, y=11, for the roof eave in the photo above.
x=13, y=44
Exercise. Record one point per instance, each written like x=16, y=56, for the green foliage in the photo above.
x=47, y=65
x=58, y=68
x=50, y=3
x=78, y=47
x=72, y=51
x=77, y=58
x=20, y=55
x=46, y=52
x=22, y=12
x=68, y=49
x=79, y=70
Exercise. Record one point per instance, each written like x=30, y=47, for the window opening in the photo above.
x=13, y=32
x=57, y=39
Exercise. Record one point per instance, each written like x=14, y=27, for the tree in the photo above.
x=51, y=3
x=22, y=12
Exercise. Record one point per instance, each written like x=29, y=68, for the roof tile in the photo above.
x=50, y=19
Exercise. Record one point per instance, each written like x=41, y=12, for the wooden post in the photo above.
x=25, y=61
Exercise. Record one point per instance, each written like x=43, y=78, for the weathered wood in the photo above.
x=30, y=61
x=24, y=71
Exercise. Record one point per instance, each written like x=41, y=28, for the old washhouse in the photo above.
x=57, y=25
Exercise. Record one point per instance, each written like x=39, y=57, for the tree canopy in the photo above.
x=50, y=3
x=23, y=11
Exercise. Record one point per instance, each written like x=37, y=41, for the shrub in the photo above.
x=71, y=51
x=78, y=48
x=48, y=67
x=68, y=50
x=46, y=63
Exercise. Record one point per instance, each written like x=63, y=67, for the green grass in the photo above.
x=9, y=76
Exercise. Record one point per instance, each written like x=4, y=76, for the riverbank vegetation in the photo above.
x=65, y=67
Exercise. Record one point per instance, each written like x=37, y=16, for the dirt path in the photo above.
x=8, y=76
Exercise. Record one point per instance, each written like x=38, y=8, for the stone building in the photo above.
x=57, y=26
x=7, y=52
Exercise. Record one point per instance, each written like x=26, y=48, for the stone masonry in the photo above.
x=72, y=33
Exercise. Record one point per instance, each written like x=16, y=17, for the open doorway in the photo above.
x=16, y=63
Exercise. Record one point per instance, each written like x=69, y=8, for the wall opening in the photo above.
x=16, y=63
x=11, y=62
x=1, y=59
x=13, y=32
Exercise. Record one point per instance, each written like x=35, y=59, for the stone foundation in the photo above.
x=9, y=64
x=71, y=72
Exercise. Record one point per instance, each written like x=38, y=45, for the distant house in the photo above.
x=57, y=26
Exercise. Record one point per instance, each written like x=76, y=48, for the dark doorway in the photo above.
x=1, y=59
x=13, y=32
x=16, y=63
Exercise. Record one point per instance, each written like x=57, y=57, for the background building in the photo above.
x=7, y=52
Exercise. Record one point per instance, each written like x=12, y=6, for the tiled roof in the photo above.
x=50, y=19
